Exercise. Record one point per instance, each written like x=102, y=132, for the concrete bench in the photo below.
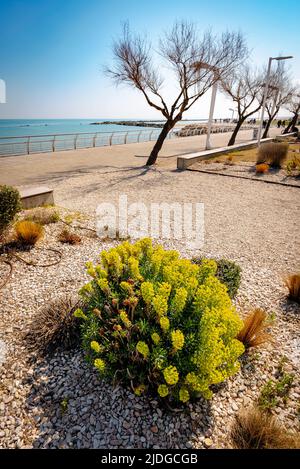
x=36, y=196
x=185, y=161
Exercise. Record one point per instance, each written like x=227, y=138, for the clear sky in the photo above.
x=52, y=51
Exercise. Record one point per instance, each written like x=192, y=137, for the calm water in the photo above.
x=81, y=134
x=24, y=127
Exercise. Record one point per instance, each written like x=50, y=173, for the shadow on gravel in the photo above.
x=73, y=408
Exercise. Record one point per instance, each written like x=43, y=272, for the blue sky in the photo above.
x=52, y=51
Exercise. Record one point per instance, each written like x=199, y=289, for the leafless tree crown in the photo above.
x=196, y=62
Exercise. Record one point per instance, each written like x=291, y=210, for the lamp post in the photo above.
x=215, y=71
x=266, y=93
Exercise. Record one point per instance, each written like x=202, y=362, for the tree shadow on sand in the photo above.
x=75, y=409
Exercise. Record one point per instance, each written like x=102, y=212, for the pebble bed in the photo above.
x=59, y=401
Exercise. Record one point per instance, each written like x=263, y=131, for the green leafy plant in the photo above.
x=10, y=205
x=64, y=403
x=228, y=272
x=42, y=215
x=275, y=392
x=158, y=323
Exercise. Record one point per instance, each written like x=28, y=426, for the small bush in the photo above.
x=68, y=237
x=228, y=272
x=275, y=392
x=293, y=166
x=292, y=282
x=159, y=323
x=254, y=332
x=261, y=168
x=254, y=429
x=272, y=153
x=10, y=205
x=28, y=232
x=54, y=326
x=43, y=216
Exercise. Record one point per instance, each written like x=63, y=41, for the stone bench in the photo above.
x=184, y=161
x=36, y=196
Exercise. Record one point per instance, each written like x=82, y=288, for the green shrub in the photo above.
x=42, y=215
x=10, y=205
x=227, y=272
x=275, y=392
x=159, y=323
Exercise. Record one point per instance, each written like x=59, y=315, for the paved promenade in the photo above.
x=50, y=168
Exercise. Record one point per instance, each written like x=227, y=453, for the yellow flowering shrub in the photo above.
x=159, y=323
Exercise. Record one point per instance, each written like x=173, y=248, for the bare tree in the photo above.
x=196, y=62
x=281, y=91
x=244, y=88
x=294, y=107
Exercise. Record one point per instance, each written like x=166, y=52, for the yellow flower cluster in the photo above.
x=139, y=389
x=177, y=339
x=80, y=314
x=143, y=349
x=171, y=375
x=99, y=364
x=163, y=390
x=160, y=305
x=125, y=320
x=90, y=269
x=147, y=292
x=96, y=346
x=133, y=268
x=127, y=288
x=179, y=300
x=103, y=284
x=164, y=290
x=155, y=337
x=184, y=395
x=164, y=323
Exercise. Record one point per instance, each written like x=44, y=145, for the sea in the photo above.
x=38, y=127
x=48, y=135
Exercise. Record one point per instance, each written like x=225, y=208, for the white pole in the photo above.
x=264, y=101
x=211, y=114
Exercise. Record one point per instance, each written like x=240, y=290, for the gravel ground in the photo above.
x=255, y=224
x=247, y=170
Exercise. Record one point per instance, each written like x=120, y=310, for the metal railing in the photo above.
x=28, y=144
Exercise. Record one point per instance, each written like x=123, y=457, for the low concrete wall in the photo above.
x=36, y=196
x=185, y=161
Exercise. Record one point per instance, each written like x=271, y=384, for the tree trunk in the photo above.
x=291, y=124
x=265, y=134
x=159, y=142
x=235, y=132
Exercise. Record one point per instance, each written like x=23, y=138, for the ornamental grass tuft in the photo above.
x=157, y=323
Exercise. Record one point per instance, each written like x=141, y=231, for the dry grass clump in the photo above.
x=28, y=232
x=255, y=429
x=68, y=237
x=42, y=215
x=261, y=168
x=272, y=153
x=292, y=282
x=254, y=331
x=54, y=326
